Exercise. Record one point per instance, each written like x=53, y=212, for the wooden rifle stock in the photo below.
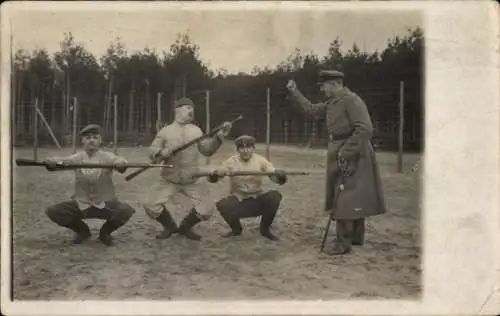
x=181, y=148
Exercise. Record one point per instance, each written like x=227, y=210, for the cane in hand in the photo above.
x=340, y=188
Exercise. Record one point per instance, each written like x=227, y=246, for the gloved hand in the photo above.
x=281, y=177
x=214, y=176
x=50, y=164
x=120, y=167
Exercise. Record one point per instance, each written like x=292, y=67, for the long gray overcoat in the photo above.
x=350, y=129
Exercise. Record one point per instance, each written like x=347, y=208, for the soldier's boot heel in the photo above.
x=185, y=228
x=168, y=223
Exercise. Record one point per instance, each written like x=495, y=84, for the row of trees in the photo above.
x=142, y=79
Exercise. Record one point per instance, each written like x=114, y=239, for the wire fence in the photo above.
x=133, y=119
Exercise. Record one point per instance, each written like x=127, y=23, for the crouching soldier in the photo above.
x=177, y=187
x=94, y=195
x=247, y=197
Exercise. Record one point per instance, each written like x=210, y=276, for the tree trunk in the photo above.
x=148, y=112
x=131, y=109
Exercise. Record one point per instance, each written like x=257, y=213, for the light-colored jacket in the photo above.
x=93, y=187
x=186, y=161
x=246, y=186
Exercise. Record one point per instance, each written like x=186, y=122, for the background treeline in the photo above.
x=142, y=81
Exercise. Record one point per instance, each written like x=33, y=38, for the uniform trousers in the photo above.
x=265, y=205
x=68, y=214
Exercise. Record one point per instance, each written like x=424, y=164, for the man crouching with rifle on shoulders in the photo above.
x=247, y=199
x=177, y=187
x=94, y=195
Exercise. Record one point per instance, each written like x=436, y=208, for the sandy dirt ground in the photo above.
x=139, y=267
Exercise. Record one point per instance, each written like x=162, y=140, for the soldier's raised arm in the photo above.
x=316, y=110
x=207, y=147
x=362, y=125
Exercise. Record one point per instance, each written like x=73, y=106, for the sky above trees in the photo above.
x=235, y=41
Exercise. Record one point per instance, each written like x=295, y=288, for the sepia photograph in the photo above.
x=179, y=153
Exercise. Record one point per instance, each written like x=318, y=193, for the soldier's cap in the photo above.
x=244, y=140
x=183, y=101
x=326, y=75
x=91, y=129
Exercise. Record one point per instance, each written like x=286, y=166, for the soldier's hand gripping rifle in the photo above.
x=60, y=165
x=182, y=147
x=279, y=175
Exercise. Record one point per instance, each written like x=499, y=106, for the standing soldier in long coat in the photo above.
x=177, y=188
x=350, y=159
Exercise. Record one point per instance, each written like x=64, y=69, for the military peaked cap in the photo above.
x=325, y=75
x=183, y=101
x=244, y=140
x=91, y=129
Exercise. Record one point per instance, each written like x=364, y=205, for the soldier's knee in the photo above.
x=52, y=212
x=58, y=214
x=274, y=196
x=226, y=204
x=126, y=211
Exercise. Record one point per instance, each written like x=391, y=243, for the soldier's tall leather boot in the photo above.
x=265, y=225
x=358, y=237
x=168, y=223
x=233, y=222
x=81, y=229
x=185, y=228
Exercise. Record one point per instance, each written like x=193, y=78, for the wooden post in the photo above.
x=75, y=117
x=115, y=124
x=35, y=130
x=44, y=121
x=184, y=85
x=268, y=125
x=286, y=131
x=158, y=111
x=401, y=127
x=207, y=118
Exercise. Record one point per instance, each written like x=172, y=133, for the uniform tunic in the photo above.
x=177, y=190
x=93, y=187
x=244, y=187
x=350, y=130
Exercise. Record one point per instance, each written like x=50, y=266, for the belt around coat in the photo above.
x=336, y=137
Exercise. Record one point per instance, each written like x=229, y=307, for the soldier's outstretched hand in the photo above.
x=50, y=163
x=214, y=176
x=291, y=85
x=226, y=129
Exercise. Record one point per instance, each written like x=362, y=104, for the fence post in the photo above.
x=268, y=123
x=115, y=123
x=35, y=130
x=401, y=127
x=286, y=132
x=207, y=117
x=75, y=117
x=158, y=110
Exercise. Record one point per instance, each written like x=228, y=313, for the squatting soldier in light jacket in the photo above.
x=350, y=130
x=94, y=195
x=178, y=190
x=247, y=198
